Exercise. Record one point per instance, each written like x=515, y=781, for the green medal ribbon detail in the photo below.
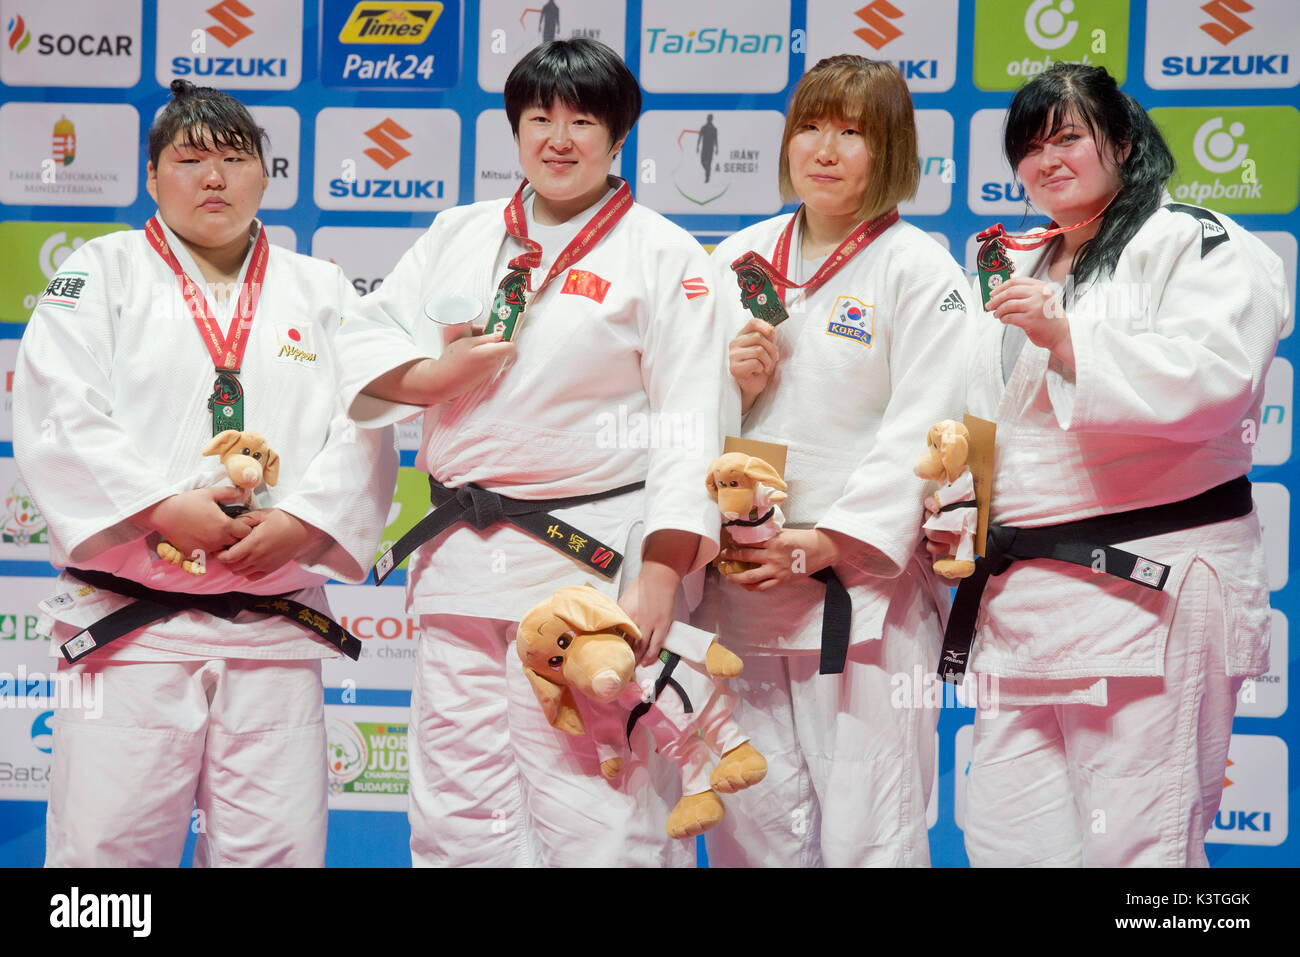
x=226, y=403
x=509, y=304
x=994, y=264
x=759, y=295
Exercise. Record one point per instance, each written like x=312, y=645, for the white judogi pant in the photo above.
x=492, y=784
x=848, y=774
x=1135, y=783
x=244, y=740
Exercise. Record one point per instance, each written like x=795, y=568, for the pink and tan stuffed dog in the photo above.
x=580, y=640
x=953, y=502
x=748, y=492
x=249, y=462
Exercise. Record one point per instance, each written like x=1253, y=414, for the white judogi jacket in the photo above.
x=601, y=394
x=854, y=414
x=110, y=417
x=1171, y=355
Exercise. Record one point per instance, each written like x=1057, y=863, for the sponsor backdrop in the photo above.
x=381, y=114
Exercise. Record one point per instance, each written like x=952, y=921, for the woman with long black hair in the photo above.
x=1125, y=374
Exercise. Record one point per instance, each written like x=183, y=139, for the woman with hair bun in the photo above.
x=1124, y=371
x=149, y=350
x=850, y=382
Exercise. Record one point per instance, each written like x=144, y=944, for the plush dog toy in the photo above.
x=953, y=503
x=747, y=490
x=579, y=640
x=249, y=461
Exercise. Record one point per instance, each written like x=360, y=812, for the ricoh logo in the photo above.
x=1226, y=26
x=878, y=30
x=715, y=40
x=1046, y=24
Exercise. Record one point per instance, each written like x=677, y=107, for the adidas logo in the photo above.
x=952, y=301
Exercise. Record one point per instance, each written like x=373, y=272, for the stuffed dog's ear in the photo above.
x=557, y=704
x=758, y=470
x=711, y=484
x=271, y=467
x=587, y=610
x=222, y=442
x=954, y=452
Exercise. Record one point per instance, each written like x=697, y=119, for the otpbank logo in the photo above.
x=1016, y=40
x=693, y=47
x=387, y=159
x=390, y=46
x=231, y=44
x=917, y=36
x=1234, y=159
x=1223, y=44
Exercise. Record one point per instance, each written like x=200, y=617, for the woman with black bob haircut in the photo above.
x=595, y=308
x=1125, y=374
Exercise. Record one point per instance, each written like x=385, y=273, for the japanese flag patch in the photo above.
x=64, y=290
x=293, y=343
x=852, y=319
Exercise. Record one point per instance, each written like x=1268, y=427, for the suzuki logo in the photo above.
x=385, y=136
x=231, y=29
x=879, y=30
x=1227, y=26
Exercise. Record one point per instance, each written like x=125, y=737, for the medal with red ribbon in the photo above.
x=227, y=400
x=510, y=302
x=762, y=283
x=995, y=266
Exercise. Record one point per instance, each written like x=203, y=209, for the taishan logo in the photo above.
x=231, y=29
x=878, y=30
x=19, y=35
x=385, y=136
x=390, y=22
x=1227, y=26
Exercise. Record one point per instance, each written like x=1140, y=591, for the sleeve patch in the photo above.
x=695, y=287
x=952, y=301
x=64, y=290
x=1212, y=231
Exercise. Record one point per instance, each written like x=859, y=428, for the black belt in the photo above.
x=152, y=605
x=665, y=680
x=1085, y=542
x=483, y=508
x=837, y=615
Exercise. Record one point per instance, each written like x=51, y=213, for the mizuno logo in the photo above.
x=878, y=30
x=231, y=29
x=385, y=136
x=952, y=301
x=1227, y=26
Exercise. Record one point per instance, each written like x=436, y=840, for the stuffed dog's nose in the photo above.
x=250, y=476
x=607, y=686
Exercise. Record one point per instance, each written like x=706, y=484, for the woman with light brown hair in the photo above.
x=840, y=601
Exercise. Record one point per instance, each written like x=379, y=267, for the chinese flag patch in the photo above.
x=579, y=282
x=695, y=287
